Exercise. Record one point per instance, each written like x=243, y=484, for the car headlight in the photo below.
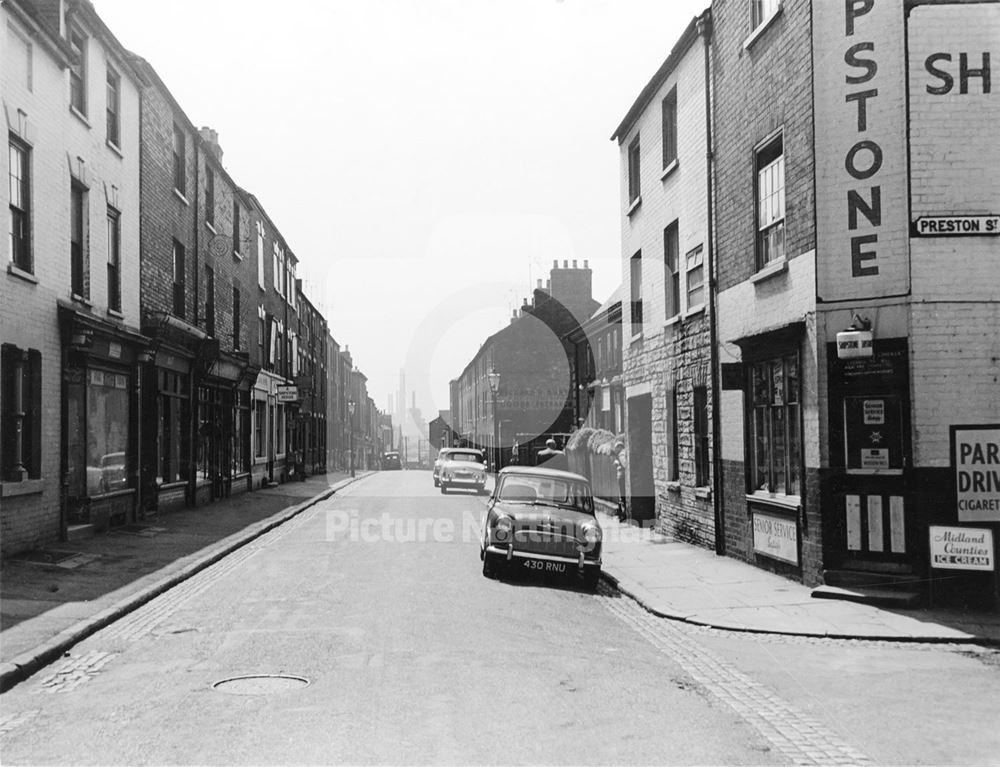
x=502, y=527
x=591, y=534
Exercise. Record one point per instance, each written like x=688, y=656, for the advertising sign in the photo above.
x=776, y=537
x=873, y=426
x=962, y=548
x=954, y=111
x=975, y=456
x=862, y=226
x=287, y=393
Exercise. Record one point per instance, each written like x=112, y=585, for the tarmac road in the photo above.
x=375, y=598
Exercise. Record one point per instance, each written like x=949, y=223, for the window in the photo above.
x=236, y=318
x=259, y=423
x=178, y=279
x=695, y=277
x=776, y=438
x=762, y=10
x=279, y=429
x=633, y=171
x=279, y=268
x=20, y=206
x=701, y=461
x=237, y=247
x=260, y=254
x=209, y=195
x=78, y=71
x=114, y=260
x=240, y=445
x=209, y=300
x=78, y=241
x=669, y=108
x=674, y=469
x=97, y=408
x=770, y=203
x=671, y=249
x=180, y=175
x=173, y=404
x=261, y=322
x=20, y=421
x=114, y=108
x=635, y=274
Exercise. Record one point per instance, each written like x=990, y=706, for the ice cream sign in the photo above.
x=975, y=456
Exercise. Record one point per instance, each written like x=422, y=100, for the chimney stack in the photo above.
x=211, y=137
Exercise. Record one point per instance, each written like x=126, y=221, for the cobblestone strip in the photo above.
x=800, y=738
x=71, y=672
x=141, y=622
x=279, y=532
x=11, y=722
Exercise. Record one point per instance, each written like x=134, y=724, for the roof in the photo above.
x=538, y=471
x=680, y=48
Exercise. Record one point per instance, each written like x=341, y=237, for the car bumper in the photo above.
x=510, y=553
x=467, y=481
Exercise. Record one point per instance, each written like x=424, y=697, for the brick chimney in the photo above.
x=572, y=286
x=211, y=138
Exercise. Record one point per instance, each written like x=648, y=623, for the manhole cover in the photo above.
x=260, y=684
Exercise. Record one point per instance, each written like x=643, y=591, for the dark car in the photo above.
x=541, y=520
x=391, y=461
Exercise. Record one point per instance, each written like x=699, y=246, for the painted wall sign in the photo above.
x=962, y=548
x=286, y=393
x=860, y=142
x=957, y=226
x=954, y=51
x=776, y=537
x=975, y=456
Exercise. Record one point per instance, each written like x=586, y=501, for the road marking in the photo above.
x=798, y=737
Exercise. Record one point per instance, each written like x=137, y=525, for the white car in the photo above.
x=462, y=467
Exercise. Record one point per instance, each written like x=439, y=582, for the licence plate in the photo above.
x=548, y=567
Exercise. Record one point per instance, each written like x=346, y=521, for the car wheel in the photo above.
x=591, y=577
x=444, y=488
x=436, y=483
x=491, y=568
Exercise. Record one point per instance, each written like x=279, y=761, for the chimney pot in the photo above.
x=539, y=284
x=555, y=263
x=586, y=264
x=565, y=264
x=574, y=263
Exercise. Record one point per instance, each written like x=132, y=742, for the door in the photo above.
x=642, y=497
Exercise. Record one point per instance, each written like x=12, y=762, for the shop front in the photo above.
x=101, y=429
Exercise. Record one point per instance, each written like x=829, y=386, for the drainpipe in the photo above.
x=195, y=377
x=705, y=31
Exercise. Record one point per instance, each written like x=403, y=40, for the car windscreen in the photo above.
x=466, y=457
x=547, y=491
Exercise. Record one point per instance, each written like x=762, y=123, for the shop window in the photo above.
x=775, y=426
x=98, y=418
x=259, y=428
x=240, y=447
x=20, y=423
x=173, y=449
x=19, y=185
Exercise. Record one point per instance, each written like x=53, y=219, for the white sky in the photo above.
x=422, y=159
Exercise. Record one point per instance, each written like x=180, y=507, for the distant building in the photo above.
x=596, y=368
x=439, y=431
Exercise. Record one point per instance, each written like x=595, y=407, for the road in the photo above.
x=371, y=637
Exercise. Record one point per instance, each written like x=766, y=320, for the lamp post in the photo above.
x=493, y=377
x=350, y=412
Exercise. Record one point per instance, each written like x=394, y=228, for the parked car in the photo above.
x=462, y=467
x=391, y=461
x=109, y=476
x=541, y=520
x=442, y=456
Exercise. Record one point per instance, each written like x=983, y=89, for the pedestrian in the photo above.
x=551, y=457
x=620, y=466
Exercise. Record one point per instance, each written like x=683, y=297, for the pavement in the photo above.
x=52, y=599
x=678, y=580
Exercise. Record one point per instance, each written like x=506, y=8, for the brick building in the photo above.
x=69, y=294
x=596, y=368
x=666, y=254
x=532, y=357
x=309, y=432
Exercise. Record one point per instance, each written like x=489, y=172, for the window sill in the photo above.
x=634, y=206
x=115, y=148
x=112, y=494
x=671, y=321
x=789, y=503
x=699, y=309
x=634, y=339
x=704, y=493
x=77, y=298
x=80, y=116
x=15, y=271
x=24, y=487
x=671, y=167
x=210, y=226
x=116, y=314
x=180, y=196
x=673, y=486
x=776, y=267
x=171, y=485
x=762, y=27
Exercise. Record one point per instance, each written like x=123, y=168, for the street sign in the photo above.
x=956, y=226
x=287, y=393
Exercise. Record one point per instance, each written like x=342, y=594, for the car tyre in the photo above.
x=436, y=483
x=592, y=577
x=491, y=567
x=444, y=488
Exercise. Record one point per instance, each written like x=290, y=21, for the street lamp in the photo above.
x=350, y=411
x=493, y=377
